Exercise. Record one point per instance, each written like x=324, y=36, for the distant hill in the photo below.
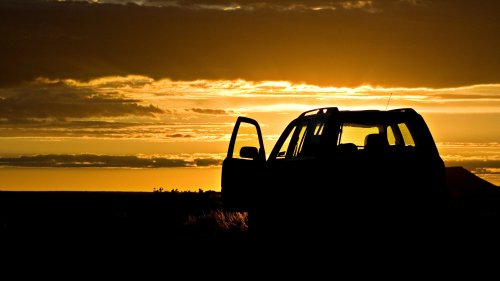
x=461, y=181
x=472, y=200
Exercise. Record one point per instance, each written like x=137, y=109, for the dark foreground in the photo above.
x=121, y=223
x=161, y=214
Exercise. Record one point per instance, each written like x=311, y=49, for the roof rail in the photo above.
x=322, y=110
x=409, y=110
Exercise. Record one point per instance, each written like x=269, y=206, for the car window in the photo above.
x=283, y=149
x=292, y=145
x=391, y=138
x=405, y=132
x=303, y=140
x=299, y=143
x=396, y=134
x=247, y=136
x=356, y=133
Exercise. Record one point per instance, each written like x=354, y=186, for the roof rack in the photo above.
x=322, y=110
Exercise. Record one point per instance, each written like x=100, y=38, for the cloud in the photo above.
x=483, y=165
x=45, y=100
x=246, y=5
x=208, y=162
x=205, y=110
x=107, y=161
x=482, y=159
x=488, y=170
x=147, y=88
x=179, y=136
x=208, y=111
x=192, y=132
x=436, y=44
x=492, y=171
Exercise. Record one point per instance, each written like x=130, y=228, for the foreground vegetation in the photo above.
x=158, y=216
x=128, y=215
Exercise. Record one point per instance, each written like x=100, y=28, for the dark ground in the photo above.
x=111, y=225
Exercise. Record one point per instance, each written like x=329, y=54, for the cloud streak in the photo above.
x=247, y=5
x=111, y=130
x=45, y=99
x=108, y=161
x=208, y=111
x=243, y=95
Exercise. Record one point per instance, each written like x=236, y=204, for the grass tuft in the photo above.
x=219, y=221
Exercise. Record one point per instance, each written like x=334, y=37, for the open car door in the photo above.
x=243, y=167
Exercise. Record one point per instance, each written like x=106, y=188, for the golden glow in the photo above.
x=193, y=120
x=247, y=96
x=99, y=179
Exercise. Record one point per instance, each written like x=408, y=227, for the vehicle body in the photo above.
x=351, y=164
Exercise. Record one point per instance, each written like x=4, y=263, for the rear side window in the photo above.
x=299, y=143
x=303, y=140
x=391, y=138
x=405, y=133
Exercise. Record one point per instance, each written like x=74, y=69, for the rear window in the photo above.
x=388, y=134
x=356, y=133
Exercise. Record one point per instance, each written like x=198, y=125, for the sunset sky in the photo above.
x=117, y=95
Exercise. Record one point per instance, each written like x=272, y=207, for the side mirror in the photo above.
x=249, y=152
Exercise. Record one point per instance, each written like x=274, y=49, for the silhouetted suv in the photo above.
x=336, y=166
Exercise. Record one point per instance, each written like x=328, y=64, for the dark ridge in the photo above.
x=460, y=180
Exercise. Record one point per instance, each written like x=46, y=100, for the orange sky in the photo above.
x=157, y=85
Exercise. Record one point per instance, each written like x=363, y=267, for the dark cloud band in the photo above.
x=436, y=44
x=479, y=165
x=60, y=101
x=105, y=161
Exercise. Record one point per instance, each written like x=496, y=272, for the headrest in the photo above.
x=375, y=141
